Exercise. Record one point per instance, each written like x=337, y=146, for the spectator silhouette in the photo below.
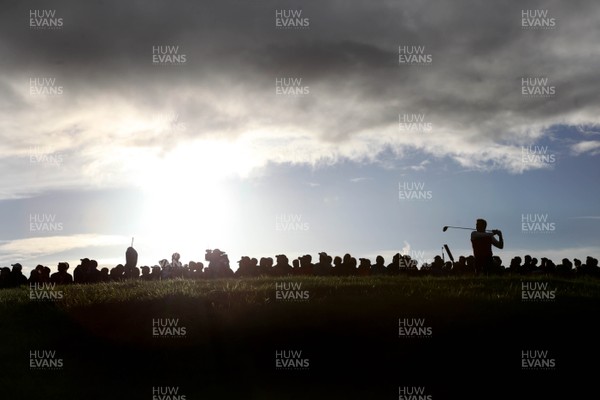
x=534, y=267
x=296, y=267
x=471, y=269
x=460, y=267
x=379, y=267
x=16, y=276
x=62, y=277
x=306, y=265
x=590, y=267
x=46, y=274
x=81, y=272
x=515, y=265
x=592, y=264
x=218, y=264
x=130, y=269
x=104, y=275
x=93, y=275
x=323, y=267
x=246, y=268
x=566, y=267
x=155, y=273
x=526, y=268
x=337, y=266
x=196, y=270
x=447, y=268
x=36, y=274
x=218, y=267
x=282, y=266
x=497, y=267
x=364, y=267
x=265, y=266
x=436, y=266
x=131, y=257
x=116, y=274
x=394, y=267
x=145, y=273
x=348, y=266
x=5, y=277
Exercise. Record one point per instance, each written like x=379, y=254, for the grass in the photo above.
x=257, y=291
x=348, y=328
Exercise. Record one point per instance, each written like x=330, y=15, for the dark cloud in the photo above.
x=348, y=58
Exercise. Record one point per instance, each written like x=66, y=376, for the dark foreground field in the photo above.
x=347, y=330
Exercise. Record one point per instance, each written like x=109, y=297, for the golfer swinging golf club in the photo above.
x=482, y=242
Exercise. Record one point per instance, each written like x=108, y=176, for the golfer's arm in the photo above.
x=500, y=242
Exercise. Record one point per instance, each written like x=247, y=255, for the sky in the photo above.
x=268, y=127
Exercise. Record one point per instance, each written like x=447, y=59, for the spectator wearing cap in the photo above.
x=145, y=273
x=80, y=274
x=246, y=268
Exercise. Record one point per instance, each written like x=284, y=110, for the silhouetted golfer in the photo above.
x=482, y=242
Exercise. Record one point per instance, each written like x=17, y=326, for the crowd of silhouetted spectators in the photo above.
x=218, y=267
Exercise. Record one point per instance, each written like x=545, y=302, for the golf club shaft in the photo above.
x=460, y=227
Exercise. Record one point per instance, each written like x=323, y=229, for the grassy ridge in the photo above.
x=348, y=328
x=254, y=291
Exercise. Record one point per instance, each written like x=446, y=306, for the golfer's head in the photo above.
x=481, y=225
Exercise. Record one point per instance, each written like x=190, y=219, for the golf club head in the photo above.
x=444, y=229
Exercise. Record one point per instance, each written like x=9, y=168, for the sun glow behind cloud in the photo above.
x=187, y=205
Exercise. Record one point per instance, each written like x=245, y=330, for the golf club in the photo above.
x=445, y=228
